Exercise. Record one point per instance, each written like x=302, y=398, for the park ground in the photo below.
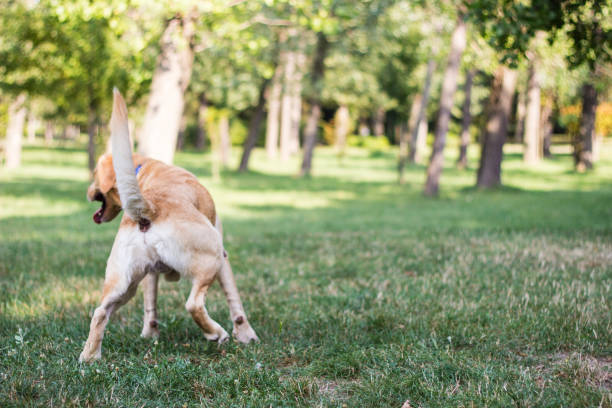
x=364, y=293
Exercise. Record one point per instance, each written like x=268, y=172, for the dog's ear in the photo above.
x=106, y=173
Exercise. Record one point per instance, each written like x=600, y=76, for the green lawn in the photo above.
x=363, y=292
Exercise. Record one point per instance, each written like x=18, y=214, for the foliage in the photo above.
x=570, y=117
x=509, y=26
x=372, y=143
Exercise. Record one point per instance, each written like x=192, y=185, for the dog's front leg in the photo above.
x=117, y=291
x=150, y=327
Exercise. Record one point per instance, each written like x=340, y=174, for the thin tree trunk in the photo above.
x=341, y=128
x=520, y=116
x=225, y=144
x=533, y=152
x=364, y=129
x=92, y=128
x=500, y=105
x=296, y=102
x=449, y=86
x=416, y=129
x=406, y=149
x=546, y=126
x=170, y=80
x=286, y=105
x=14, y=131
x=379, y=122
x=32, y=126
x=584, y=147
x=466, y=120
x=403, y=145
x=421, y=143
x=274, y=108
x=312, y=124
x=180, y=138
x=414, y=121
x=254, y=125
x=49, y=132
x=201, y=118
x=215, y=156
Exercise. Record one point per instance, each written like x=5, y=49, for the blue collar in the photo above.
x=138, y=168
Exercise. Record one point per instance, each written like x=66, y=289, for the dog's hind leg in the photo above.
x=195, y=305
x=150, y=325
x=243, y=332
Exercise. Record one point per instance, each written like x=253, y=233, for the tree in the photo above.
x=170, y=80
x=68, y=45
x=416, y=125
x=531, y=138
x=583, y=22
x=14, y=131
x=254, y=125
x=466, y=119
x=312, y=122
x=449, y=86
x=274, y=109
x=584, y=155
x=500, y=105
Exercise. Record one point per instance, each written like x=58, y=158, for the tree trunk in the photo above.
x=287, y=106
x=296, y=103
x=520, y=116
x=32, y=127
x=341, y=128
x=92, y=130
x=14, y=131
x=379, y=122
x=274, y=108
x=416, y=126
x=166, y=100
x=449, y=86
x=312, y=124
x=225, y=144
x=254, y=124
x=413, y=128
x=466, y=120
x=364, y=129
x=201, y=118
x=584, y=147
x=546, y=126
x=215, y=153
x=403, y=145
x=500, y=105
x=533, y=151
x=49, y=130
x=421, y=143
x=180, y=138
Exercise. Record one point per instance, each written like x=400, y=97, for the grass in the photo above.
x=364, y=293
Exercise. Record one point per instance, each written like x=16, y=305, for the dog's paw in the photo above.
x=86, y=357
x=245, y=334
x=220, y=336
x=150, y=330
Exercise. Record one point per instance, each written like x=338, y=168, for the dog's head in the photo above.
x=104, y=189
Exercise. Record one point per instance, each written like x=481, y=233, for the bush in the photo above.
x=369, y=142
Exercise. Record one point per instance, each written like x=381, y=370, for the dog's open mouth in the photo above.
x=97, y=217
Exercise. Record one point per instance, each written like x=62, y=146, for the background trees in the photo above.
x=290, y=75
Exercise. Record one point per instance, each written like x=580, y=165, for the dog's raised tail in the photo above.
x=132, y=201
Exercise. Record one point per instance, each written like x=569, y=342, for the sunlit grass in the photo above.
x=363, y=292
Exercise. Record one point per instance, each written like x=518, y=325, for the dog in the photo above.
x=169, y=227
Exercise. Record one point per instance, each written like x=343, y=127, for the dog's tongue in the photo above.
x=97, y=217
